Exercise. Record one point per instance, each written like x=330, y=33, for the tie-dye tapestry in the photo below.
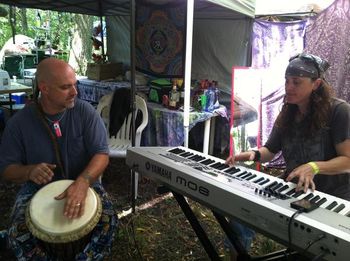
x=328, y=37
x=273, y=45
x=160, y=39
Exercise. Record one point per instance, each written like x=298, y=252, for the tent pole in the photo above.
x=101, y=22
x=188, y=64
x=132, y=70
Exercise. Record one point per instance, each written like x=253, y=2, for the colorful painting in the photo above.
x=160, y=40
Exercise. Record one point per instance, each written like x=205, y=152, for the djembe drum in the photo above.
x=61, y=237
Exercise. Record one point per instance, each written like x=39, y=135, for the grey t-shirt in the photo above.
x=297, y=149
x=26, y=140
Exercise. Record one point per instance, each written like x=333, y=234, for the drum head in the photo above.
x=45, y=217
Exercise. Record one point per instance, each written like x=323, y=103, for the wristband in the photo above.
x=257, y=155
x=315, y=168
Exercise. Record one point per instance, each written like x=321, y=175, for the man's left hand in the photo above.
x=305, y=176
x=75, y=195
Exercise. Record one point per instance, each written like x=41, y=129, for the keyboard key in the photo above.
x=308, y=196
x=332, y=205
x=339, y=208
x=313, y=200
x=321, y=201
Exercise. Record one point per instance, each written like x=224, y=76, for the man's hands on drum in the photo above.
x=75, y=196
x=41, y=173
x=305, y=176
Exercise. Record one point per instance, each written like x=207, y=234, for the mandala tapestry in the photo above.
x=160, y=39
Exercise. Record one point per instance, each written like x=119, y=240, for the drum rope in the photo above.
x=52, y=137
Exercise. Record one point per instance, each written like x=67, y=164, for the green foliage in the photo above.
x=59, y=26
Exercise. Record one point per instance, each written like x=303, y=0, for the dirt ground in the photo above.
x=157, y=231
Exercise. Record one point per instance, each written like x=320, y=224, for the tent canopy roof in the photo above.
x=122, y=7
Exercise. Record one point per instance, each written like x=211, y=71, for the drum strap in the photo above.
x=52, y=137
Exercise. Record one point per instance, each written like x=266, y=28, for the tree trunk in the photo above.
x=24, y=22
x=12, y=21
x=81, y=50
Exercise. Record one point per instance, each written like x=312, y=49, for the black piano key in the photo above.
x=176, y=151
x=332, y=205
x=216, y=164
x=242, y=174
x=264, y=182
x=186, y=154
x=219, y=166
x=308, y=196
x=283, y=188
x=321, y=201
x=339, y=208
x=246, y=175
x=251, y=177
x=235, y=172
x=290, y=192
x=276, y=187
x=207, y=162
x=234, y=169
x=223, y=166
x=197, y=158
x=348, y=214
x=258, y=180
x=272, y=184
x=297, y=194
x=313, y=200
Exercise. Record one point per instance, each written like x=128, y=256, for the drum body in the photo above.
x=62, y=238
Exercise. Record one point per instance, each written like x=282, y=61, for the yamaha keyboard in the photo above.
x=257, y=199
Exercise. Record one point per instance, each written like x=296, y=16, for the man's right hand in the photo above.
x=41, y=173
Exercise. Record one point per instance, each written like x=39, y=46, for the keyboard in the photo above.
x=257, y=199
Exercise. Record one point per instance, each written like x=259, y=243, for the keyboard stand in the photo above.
x=242, y=254
x=202, y=236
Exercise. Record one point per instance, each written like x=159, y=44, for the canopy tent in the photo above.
x=296, y=7
x=118, y=7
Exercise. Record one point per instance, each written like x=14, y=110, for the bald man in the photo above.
x=57, y=137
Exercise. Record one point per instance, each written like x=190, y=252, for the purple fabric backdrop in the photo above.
x=328, y=37
x=273, y=44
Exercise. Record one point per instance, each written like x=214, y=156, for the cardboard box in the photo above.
x=104, y=71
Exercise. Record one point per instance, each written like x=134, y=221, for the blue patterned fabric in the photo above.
x=26, y=246
x=165, y=127
x=92, y=91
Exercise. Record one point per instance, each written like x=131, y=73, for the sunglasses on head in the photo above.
x=309, y=58
x=320, y=64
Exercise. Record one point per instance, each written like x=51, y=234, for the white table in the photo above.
x=14, y=88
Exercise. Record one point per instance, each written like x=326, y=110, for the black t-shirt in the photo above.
x=297, y=149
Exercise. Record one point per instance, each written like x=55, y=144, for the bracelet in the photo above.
x=315, y=168
x=257, y=155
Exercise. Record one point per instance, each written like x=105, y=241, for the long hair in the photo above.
x=319, y=111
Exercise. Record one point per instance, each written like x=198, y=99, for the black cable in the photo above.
x=290, y=229
x=320, y=237
x=321, y=255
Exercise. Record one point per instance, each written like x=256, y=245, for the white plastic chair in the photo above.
x=119, y=144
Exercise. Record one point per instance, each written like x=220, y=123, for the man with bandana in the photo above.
x=312, y=131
